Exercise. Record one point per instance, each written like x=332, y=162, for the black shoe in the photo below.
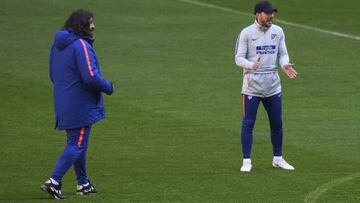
x=52, y=189
x=85, y=190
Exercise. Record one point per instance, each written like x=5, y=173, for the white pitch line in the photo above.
x=333, y=33
x=314, y=195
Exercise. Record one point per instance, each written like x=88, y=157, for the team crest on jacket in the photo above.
x=274, y=37
x=249, y=97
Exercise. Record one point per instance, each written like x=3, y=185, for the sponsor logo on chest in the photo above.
x=266, y=49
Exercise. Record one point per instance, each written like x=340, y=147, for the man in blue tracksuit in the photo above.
x=78, y=86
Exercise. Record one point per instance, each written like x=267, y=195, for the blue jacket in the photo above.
x=78, y=83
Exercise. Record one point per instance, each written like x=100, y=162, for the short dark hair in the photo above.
x=78, y=22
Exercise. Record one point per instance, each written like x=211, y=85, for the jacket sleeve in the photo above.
x=283, y=53
x=241, y=50
x=51, y=64
x=87, y=63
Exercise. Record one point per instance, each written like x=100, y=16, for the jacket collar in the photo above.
x=89, y=39
x=260, y=27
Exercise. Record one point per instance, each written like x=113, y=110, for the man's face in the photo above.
x=265, y=19
x=91, y=26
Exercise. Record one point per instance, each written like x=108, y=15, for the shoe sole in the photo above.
x=246, y=171
x=82, y=194
x=277, y=166
x=46, y=189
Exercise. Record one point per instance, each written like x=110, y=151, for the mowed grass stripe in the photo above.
x=337, y=34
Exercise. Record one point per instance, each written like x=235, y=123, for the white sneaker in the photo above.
x=279, y=162
x=246, y=167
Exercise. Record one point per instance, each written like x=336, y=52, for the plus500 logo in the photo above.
x=268, y=49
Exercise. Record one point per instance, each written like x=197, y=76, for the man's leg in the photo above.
x=273, y=107
x=274, y=110
x=250, y=107
x=71, y=153
x=68, y=156
x=80, y=162
x=84, y=186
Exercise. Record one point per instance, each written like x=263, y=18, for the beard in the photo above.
x=90, y=32
x=267, y=23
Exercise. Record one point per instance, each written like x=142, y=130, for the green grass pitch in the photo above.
x=172, y=128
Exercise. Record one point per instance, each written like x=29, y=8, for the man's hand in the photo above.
x=256, y=65
x=289, y=70
x=112, y=89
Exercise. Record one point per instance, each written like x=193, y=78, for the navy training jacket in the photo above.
x=77, y=81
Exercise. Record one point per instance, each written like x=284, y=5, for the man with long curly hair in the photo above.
x=78, y=86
